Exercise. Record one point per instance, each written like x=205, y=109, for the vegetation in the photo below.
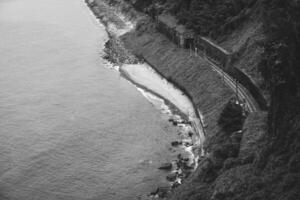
x=207, y=17
x=232, y=117
x=213, y=18
x=273, y=173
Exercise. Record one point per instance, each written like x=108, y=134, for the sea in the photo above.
x=71, y=128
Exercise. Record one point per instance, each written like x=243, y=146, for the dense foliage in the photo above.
x=213, y=17
x=232, y=117
x=274, y=172
x=281, y=70
x=281, y=64
x=206, y=17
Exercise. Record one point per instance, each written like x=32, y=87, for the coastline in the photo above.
x=145, y=77
x=205, y=88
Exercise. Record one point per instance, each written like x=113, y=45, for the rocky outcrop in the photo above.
x=166, y=166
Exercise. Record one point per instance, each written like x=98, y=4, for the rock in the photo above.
x=187, y=174
x=191, y=134
x=171, y=120
x=187, y=144
x=172, y=177
x=176, y=143
x=163, y=191
x=166, y=166
x=154, y=192
x=179, y=156
x=186, y=166
x=175, y=185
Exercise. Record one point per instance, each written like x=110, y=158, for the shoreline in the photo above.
x=114, y=36
x=130, y=68
x=228, y=155
x=190, y=144
x=145, y=77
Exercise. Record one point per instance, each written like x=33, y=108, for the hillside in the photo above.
x=266, y=37
x=263, y=160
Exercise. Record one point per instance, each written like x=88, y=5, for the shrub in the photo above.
x=232, y=117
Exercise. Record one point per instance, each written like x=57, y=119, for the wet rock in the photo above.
x=179, y=156
x=166, y=166
x=172, y=177
x=187, y=144
x=187, y=174
x=154, y=192
x=176, y=143
x=163, y=191
x=187, y=166
x=171, y=120
x=175, y=185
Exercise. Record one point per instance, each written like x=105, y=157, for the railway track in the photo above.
x=241, y=91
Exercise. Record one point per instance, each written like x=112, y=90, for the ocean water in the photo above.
x=70, y=127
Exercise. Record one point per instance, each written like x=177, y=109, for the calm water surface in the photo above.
x=71, y=128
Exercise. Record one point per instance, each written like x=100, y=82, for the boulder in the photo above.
x=175, y=185
x=154, y=192
x=166, y=166
x=163, y=191
x=187, y=166
x=172, y=177
x=176, y=143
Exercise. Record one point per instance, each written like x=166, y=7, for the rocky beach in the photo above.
x=183, y=114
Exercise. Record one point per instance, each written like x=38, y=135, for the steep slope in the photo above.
x=263, y=160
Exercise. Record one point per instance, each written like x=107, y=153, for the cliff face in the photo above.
x=263, y=160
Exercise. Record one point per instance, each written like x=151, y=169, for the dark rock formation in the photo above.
x=176, y=143
x=166, y=166
x=171, y=177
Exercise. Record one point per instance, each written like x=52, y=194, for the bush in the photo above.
x=232, y=117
